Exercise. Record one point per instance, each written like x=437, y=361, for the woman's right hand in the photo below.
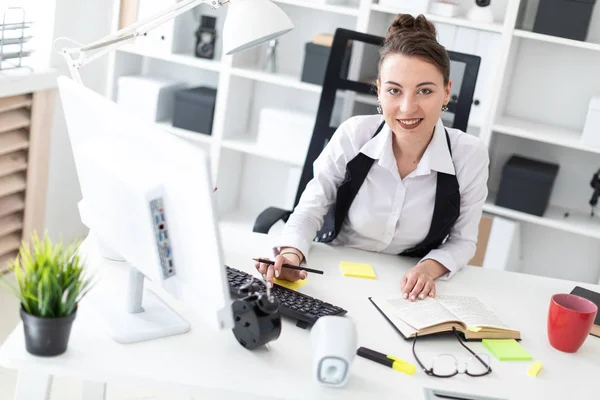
x=269, y=272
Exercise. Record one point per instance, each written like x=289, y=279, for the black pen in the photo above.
x=315, y=271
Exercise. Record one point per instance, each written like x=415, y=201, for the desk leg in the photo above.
x=94, y=390
x=33, y=386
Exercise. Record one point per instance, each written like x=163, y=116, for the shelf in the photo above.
x=249, y=146
x=11, y=224
x=344, y=10
x=12, y=184
x=184, y=133
x=15, y=102
x=14, y=119
x=182, y=59
x=457, y=21
x=276, y=79
x=557, y=40
x=542, y=133
x=11, y=204
x=9, y=243
x=577, y=222
x=12, y=163
x=13, y=141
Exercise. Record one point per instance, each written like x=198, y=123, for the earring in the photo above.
x=445, y=107
x=379, y=107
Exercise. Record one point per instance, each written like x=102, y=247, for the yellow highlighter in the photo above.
x=389, y=361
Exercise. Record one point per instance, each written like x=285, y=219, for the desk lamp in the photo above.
x=248, y=24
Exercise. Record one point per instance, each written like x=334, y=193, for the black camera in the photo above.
x=206, y=36
x=483, y=3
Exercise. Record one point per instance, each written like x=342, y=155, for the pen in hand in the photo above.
x=269, y=262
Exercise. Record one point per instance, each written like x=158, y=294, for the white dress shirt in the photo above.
x=390, y=214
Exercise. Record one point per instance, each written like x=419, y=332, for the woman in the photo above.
x=416, y=188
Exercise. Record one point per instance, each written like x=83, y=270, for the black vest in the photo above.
x=445, y=213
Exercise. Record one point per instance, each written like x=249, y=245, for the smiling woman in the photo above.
x=397, y=182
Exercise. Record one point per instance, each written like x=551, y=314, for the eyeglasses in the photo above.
x=446, y=365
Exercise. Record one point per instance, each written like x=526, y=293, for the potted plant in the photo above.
x=50, y=282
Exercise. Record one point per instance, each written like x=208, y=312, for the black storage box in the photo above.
x=564, y=18
x=316, y=57
x=194, y=109
x=526, y=185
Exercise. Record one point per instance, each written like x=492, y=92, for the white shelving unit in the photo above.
x=335, y=9
x=531, y=99
x=455, y=21
x=285, y=80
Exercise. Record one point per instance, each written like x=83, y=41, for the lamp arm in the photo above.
x=76, y=57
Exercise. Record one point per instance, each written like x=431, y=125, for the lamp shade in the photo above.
x=252, y=22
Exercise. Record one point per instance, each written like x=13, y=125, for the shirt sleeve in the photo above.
x=461, y=245
x=329, y=170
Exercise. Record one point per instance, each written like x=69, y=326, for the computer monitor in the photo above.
x=147, y=195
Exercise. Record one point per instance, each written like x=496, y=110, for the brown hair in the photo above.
x=415, y=37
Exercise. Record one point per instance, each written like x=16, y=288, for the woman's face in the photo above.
x=411, y=93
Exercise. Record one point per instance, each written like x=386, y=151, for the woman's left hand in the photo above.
x=419, y=281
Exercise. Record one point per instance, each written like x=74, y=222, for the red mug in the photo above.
x=570, y=319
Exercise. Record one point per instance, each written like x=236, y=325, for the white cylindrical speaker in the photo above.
x=334, y=343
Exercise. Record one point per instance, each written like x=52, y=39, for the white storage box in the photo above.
x=444, y=9
x=150, y=98
x=420, y=6
x=160, y=38
x=591, y=130
x=285, y=130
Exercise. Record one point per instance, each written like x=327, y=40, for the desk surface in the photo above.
x=211, y=363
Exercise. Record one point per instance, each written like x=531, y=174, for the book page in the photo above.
x=421, y=313
x=471, y=311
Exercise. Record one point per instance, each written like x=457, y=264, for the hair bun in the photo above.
x=406, y=23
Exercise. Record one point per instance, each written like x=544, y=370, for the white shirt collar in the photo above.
x=436, y=156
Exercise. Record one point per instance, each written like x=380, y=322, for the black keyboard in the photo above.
x=304, y=308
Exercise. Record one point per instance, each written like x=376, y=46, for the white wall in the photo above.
x=82, y=21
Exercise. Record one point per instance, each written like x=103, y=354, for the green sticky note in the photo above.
x=506, y=349
x=357, y=270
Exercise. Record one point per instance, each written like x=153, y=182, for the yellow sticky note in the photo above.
x=474, y=328
x=357, y=270
x=535, y=369
x=291, y=285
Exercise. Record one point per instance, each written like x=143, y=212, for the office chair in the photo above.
x=463, y=73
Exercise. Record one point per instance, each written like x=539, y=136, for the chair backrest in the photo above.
x=463, y=73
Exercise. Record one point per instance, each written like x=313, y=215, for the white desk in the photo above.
x=203, y=362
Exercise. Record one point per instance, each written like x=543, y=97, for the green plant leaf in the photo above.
x=50, y=277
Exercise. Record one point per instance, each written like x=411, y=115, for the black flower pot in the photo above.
x=47, y=336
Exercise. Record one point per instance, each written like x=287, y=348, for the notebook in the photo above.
x=440, y=314
x=594, y=297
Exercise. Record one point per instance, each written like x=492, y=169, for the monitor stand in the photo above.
x=129, y=312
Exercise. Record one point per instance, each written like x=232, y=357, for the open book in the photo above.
x=437, y=315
